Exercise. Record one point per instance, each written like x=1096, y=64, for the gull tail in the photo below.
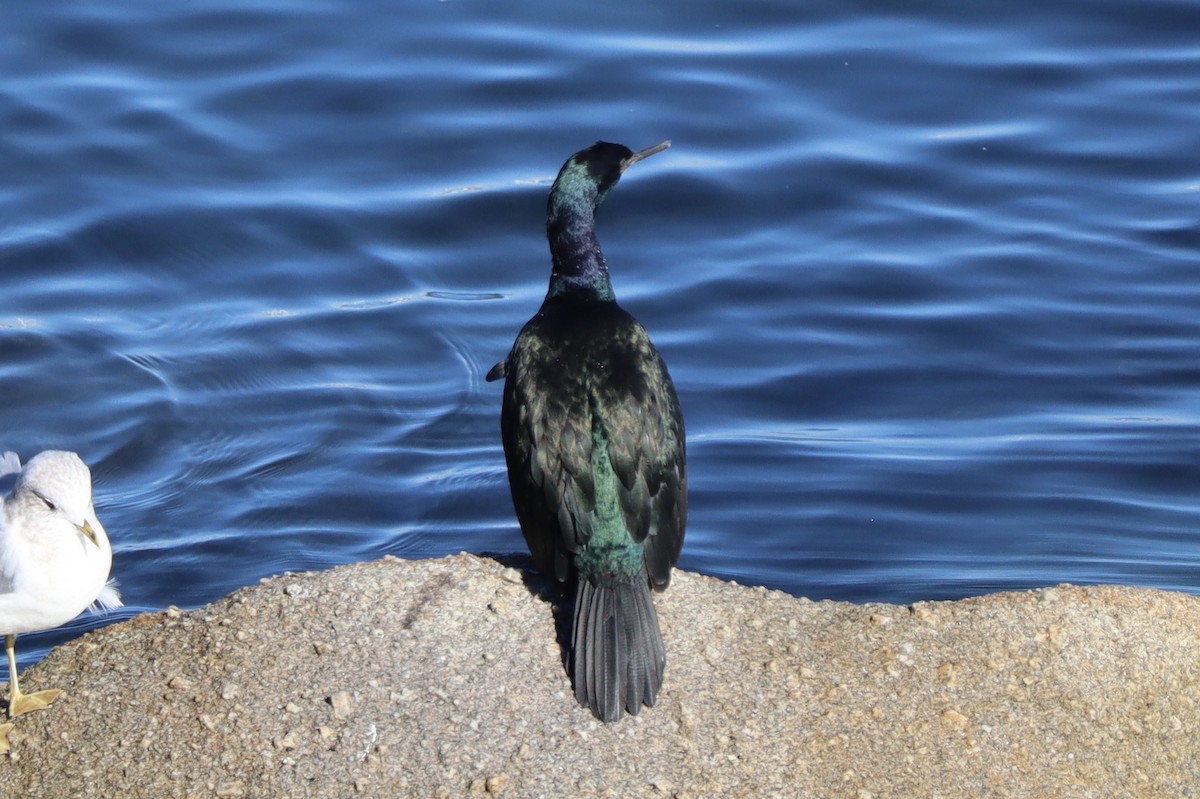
x=9, y=463
x=109, y=598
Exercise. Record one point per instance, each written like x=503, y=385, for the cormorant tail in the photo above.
x=617, y=652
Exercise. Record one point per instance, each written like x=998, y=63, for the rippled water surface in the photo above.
x=926, y=278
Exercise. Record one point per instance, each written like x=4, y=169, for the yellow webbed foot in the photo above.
x=4, y=730
x=20, y=704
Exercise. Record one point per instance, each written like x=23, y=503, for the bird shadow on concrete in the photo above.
x=560, y=596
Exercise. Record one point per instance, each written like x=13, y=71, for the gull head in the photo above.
x=57, y=484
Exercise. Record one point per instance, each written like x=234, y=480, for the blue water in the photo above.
x=925, y=275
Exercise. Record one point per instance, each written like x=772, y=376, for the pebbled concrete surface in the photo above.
x=445, y=678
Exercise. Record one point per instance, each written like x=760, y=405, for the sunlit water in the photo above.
x=926, y=279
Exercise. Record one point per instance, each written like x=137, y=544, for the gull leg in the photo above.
x=19, y=703
x=9, y=644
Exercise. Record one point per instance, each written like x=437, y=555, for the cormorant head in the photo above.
x=588, y=175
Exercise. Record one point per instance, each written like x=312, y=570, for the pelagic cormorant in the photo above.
x=594, y=441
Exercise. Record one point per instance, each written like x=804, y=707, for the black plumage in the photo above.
x=594, y=441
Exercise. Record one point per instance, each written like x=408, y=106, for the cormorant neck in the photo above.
x=579, y=266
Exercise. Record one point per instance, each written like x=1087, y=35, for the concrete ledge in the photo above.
x=445, y=678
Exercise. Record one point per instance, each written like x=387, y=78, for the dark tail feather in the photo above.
x=617, y=650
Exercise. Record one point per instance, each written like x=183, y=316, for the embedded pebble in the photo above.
x=341, y=703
